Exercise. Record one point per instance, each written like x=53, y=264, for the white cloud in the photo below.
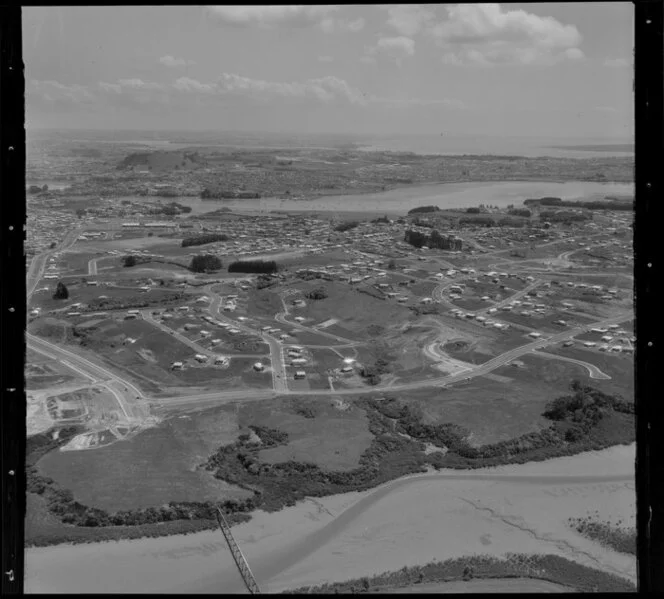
x=185, y=84
x=54, y=91
x=408, y=19
x=269, y=16
x=171, y=61
x=139, y=84
x=325, y=59
x=184, y=90
x=485, y=34
x=330, y=25
x=616, y=62
x=396, y=48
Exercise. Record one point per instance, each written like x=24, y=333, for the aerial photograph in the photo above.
x=330, y=299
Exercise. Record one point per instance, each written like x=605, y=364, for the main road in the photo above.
x=38, y=262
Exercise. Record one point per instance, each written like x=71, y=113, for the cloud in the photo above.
x=325, y=59
x=486, y=35
x=396, y=48
x=270, y=16
x=186, y=84
x=408, y=19
x=183, y=91
x=55, y=92
x=330, y=25
x=412, y=102
x=616, y=62
x=171, y=61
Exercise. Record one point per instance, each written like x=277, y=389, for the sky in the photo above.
x=551, y=70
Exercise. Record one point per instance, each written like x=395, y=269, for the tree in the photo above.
x=53, y=244
x=204, y=263
x=473, y=210
x=61, y=291
x=129, y=261
x=392, y=264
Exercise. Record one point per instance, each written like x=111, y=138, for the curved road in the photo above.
x=593, y=371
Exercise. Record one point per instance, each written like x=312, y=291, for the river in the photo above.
x=521, y=508
x=443, y=195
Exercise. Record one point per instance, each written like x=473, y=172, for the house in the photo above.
x=258, y=367
x=535, y=335
x=221, y=360
x=177, y=366
x=201, y=358
x=346, y=369
x=300, y=374
x=298, y=362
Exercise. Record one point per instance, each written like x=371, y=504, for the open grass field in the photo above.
x=619, y=368
x=154, y=467
x=545, y=322
x=355, y=311
x=318, y=432
x=493, y=410
x=42, y=372
x=471, y=303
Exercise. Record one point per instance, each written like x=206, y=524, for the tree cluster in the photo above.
x=346, y=226
x=519, y=212
x=421, y=209
x=473, y=210
x=482, y=221
x=208, y=194
x=203, y=239
x=205, y=263
x=433, y=240
x=61, y=291
x=562, y=216
x=318, y=293
x=253, y=266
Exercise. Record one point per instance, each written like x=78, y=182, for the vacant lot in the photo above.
x=619, y=368
x=150, y=469
x=318, y=432
x=495, y=410
x=354, y=310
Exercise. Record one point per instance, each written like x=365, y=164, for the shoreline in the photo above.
x=401, y=198
x=312, y=529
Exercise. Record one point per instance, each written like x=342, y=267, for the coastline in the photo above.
x=354, y=534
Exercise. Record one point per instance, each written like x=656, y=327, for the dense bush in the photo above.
x=203, y=239
x=61, y=291
x=421, y=209
x=553, y=568
x=615, y=536
x=472, y=210
x=482, y=221
x=129, y=261
x=253, y=266
x=347, y=226
x=207, y=194
x=434, y=240
x=316, y=294
x=520, y=212
x=547, y=201
x=205, y=263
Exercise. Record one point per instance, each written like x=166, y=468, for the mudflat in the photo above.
x=521, y=508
